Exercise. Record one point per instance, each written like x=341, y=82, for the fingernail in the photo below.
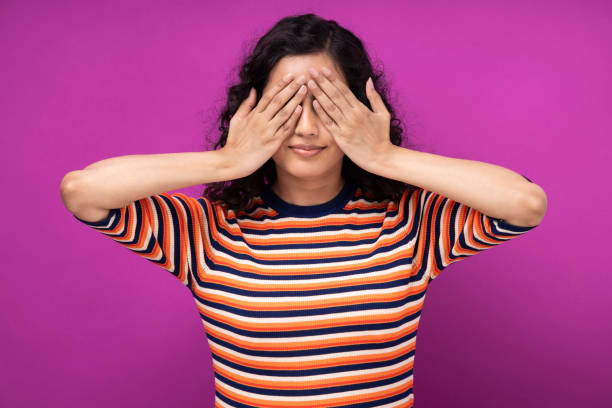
x=287, y=77
x=326, y=71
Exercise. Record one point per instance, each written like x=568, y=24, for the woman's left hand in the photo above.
x=361, y=134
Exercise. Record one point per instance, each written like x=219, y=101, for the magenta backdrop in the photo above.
x=525, y=85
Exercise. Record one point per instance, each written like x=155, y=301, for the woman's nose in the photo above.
x=308, y=110
x=308, y=118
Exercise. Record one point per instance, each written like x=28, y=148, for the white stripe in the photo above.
x=365, y=276
x=505, y=230
x=409, y=397
x=107, y=225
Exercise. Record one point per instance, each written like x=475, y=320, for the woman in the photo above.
x=309, y=269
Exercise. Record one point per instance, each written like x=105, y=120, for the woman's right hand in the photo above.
x=256, y=134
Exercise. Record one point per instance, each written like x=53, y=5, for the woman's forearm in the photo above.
x=118, y=181
x=494, y=190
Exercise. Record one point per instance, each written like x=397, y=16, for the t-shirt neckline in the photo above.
x=288, y=209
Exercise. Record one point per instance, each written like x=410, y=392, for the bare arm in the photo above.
x=494, y=190
x=115, y=182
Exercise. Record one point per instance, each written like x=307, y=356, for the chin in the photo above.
x=306, y=172
x=302, y=169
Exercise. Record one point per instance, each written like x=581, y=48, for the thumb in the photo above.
x=375, y=100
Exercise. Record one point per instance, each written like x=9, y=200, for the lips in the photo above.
x=307, y=147
x=307, y=153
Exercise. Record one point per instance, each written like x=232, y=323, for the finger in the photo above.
x=325, y=118
x=375, y=99
x=342, y=87
x=279, y=100
x=330, y=84
x=270, y=93
x=286, y=128
x=283, y=115
x=331, y=109
x=247, y=104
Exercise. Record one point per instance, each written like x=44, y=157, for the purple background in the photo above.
x=522, y=85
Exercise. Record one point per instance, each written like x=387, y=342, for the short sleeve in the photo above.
x=451, y=231
x=162, y=228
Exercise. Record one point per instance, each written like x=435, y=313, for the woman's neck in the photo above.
x=307, y=192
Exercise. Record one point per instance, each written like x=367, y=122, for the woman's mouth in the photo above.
x=306, y=153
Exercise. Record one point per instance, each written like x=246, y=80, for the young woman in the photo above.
x=311, y=250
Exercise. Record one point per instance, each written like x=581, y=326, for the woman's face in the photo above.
x=309, y=129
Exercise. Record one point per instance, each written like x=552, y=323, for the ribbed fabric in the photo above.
x=308, y=306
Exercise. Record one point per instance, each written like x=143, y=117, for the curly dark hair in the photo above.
x=301, y=35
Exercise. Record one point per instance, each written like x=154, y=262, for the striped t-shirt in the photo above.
x=308, y=306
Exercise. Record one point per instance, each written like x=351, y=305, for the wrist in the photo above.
x=231, y=164
x=383, y=162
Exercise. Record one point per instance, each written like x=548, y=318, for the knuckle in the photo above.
x=285, y=113
x=290, y=107
x=270, y=97
x=276, y=101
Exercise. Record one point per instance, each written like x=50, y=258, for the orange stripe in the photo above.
x=329, y=402
x=334, y=341
x=307, y=384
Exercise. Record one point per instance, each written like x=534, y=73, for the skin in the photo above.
x=318, y=179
